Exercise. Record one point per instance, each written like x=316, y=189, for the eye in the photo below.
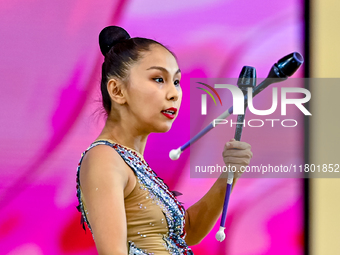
x=160, y=80
x=176, y=83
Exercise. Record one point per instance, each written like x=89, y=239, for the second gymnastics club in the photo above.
x=246, y=79
x=280, y=71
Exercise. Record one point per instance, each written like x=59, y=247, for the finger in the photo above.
x=238, y=153
x=236, y=161
x=228, y=144
x=237, y=145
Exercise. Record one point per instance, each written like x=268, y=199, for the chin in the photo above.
x=163, y=128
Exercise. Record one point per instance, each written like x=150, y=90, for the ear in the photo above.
x=115, y=89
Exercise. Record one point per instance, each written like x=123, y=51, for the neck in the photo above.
x=124, y=134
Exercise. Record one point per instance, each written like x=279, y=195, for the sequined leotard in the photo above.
x=155, y=218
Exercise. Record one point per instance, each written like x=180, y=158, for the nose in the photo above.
x=173, y=92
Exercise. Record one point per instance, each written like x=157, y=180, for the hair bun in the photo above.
x=110, y=36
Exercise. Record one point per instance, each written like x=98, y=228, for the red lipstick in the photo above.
x=170, y=112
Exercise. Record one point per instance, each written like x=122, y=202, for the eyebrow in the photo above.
x=162, y=69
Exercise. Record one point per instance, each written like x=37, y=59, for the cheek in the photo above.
x=149, y=103
x=142, y=96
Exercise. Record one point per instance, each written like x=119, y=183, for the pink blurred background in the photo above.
x=50, y=77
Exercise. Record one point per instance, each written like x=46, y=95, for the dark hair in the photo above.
x=120, y=51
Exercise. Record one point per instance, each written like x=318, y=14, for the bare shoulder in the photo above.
x=102, y=167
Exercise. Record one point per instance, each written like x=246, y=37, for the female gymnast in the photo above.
x=127, y=207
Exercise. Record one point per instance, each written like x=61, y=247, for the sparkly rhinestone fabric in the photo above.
x=158, y=191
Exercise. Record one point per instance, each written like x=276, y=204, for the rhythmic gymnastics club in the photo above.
x=280, y=71
x=246, y=79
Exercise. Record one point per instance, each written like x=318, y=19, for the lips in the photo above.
x=170, y=112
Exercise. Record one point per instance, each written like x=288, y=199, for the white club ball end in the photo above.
x=174, y=154
x=220, y=236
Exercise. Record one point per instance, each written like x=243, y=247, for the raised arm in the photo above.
x=103, y=178
x=201, y=217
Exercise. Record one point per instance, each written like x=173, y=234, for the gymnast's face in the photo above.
x=154, y=86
